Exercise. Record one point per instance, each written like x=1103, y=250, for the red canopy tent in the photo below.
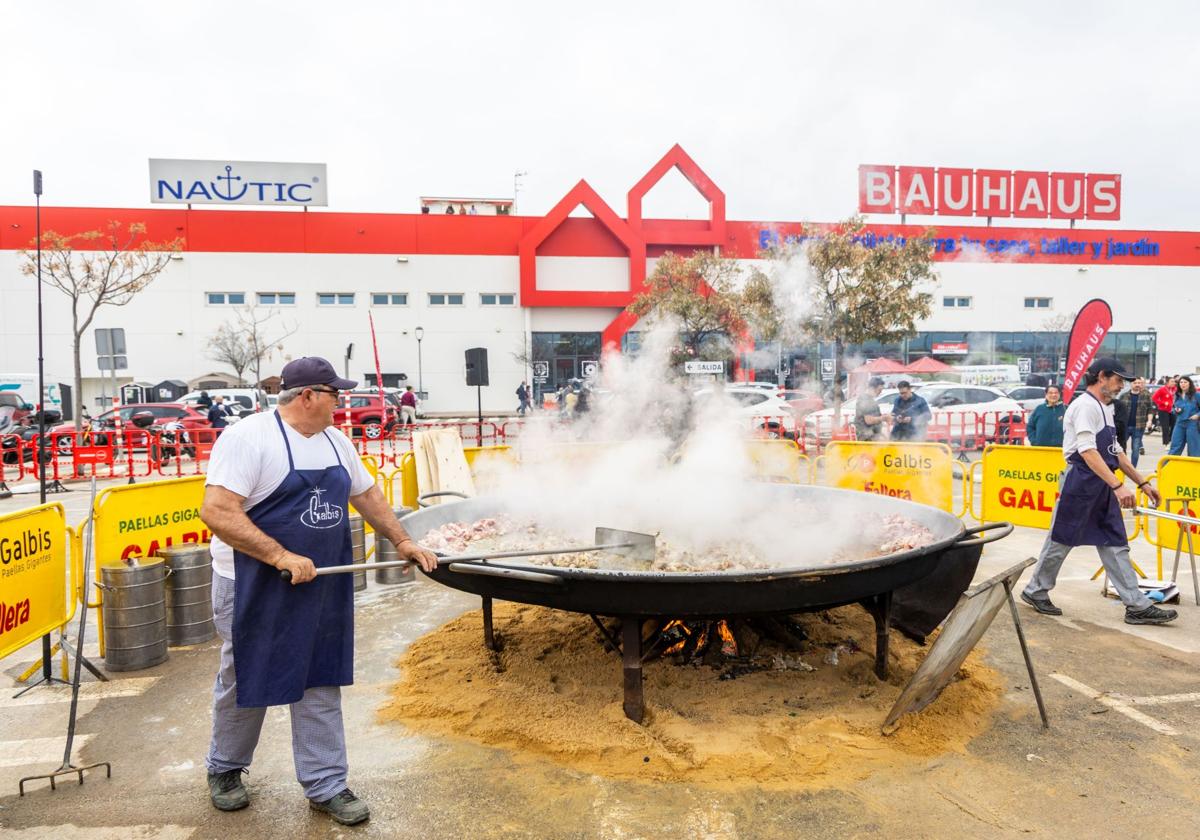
x=927, y=364
x=861, y=374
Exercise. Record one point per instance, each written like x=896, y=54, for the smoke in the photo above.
x=652, y=455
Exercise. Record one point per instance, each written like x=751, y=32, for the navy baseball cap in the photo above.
x=1108, y=364
x=312, y=370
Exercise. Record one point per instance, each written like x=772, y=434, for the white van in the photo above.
x=243, y=400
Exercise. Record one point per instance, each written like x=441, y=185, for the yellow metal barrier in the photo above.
x=969, y=482
x=480, y=459
x=779, y=460
x=921, y=472
x=34, y=552
x=1020, y=484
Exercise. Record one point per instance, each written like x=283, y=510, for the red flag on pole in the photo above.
x=1091, y=325
x=378, y=375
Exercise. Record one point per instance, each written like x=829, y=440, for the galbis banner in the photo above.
x=237, y=182
x=33, y=575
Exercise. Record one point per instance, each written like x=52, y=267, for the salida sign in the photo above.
x=943, y=191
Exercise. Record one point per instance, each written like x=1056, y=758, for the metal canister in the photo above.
x=358, y=550
x=135, y=615
x=385, y=551
x=189, y=594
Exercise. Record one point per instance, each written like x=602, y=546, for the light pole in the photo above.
x=419, y=332
x=41, y=394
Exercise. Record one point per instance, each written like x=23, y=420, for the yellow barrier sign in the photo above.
x=33, y=575
x=1020, y=484
x=919, y=472
x=778, y=461
x=1179, y=485
x=136, y=520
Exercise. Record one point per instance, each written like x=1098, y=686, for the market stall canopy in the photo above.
x=881, y=365
x=927, y=364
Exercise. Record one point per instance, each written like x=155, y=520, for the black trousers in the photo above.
x=1166, y=420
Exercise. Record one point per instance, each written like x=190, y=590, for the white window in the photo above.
x=226, y=298
x=389, y=299
x=335, y=298
x=956, y=302
x=1037, y=303
x=497, y=299
x=445, y=299
x=276, y=298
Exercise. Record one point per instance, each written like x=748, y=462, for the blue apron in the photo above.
x=1087, y=512
x=286, y=638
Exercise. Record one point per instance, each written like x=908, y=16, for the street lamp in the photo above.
x=419, y=332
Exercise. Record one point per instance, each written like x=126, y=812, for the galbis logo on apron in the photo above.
x=321, y=514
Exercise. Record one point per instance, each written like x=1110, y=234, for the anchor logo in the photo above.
x=229, y=178
x=320, y=514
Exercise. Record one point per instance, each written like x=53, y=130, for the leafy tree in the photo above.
x=98, y=268
x=709, y=298
x=858, y=293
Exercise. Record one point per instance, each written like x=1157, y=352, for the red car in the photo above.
x=190, y=417
x=370, y=418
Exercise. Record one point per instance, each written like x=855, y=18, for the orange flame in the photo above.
x=728, y=643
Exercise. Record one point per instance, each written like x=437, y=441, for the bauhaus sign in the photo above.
x=237, y=182
x=943, y=191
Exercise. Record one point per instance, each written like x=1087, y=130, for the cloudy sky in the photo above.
x=779, y=102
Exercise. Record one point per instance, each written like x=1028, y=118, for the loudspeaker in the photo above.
x=477, y=371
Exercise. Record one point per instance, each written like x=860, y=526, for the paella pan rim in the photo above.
x=472, y=509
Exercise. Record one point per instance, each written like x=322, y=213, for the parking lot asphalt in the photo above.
x=1122, y=754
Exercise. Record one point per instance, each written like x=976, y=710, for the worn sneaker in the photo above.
x=1043, y=605
x=227, y=791
x=345, y=807
x=1149, y=615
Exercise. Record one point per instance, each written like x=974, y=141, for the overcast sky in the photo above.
x=778, y=102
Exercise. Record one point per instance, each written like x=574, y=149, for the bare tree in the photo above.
x=228, y=346
x=98, y=268
x=249, y=340
x=1060, y=323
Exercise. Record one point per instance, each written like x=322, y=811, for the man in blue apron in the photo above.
x=1088, y=511
x=278, y=489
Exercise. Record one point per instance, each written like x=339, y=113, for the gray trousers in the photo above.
x=318, y=740
x=1115, y=558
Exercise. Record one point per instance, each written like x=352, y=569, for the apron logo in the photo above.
x=1114, y=448
x=320, y=514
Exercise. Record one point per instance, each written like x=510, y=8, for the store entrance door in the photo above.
x=564, y=372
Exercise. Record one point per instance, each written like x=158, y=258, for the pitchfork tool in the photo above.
x=629, y=544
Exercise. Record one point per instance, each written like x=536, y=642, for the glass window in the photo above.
x=496, y=299
x=487, y=300
x=979, y=395
x=335, y=298
x=326, y=299
x=216, y=298
x=277, y=298
x=237, y=297
x=389, y=299
x=1037, y=303
x=445, y=299
x=956, y=302
x=508, y=300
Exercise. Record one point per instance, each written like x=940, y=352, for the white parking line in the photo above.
x=37, y=750
x=131, y=687
x=1115, y=704
x=1160, y=700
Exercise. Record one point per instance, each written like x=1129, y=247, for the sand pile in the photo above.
x=554, y=693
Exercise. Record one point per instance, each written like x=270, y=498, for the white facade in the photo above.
x=170, y=324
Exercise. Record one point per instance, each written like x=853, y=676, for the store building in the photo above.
x=544, y=294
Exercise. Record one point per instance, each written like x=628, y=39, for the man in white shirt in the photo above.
x=1091, y=496
x=277, y=500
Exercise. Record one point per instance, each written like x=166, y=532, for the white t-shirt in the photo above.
x=1086, y=417
x=250, y=459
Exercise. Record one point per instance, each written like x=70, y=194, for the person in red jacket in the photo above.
x=1164, y=402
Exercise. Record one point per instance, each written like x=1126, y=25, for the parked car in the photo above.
x=191, y=418
x=960, y=414
x=763, y=410
x=1029, y=396
x=802, y=402
x=369, y=417
x=13, y=411
x=243, y=400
